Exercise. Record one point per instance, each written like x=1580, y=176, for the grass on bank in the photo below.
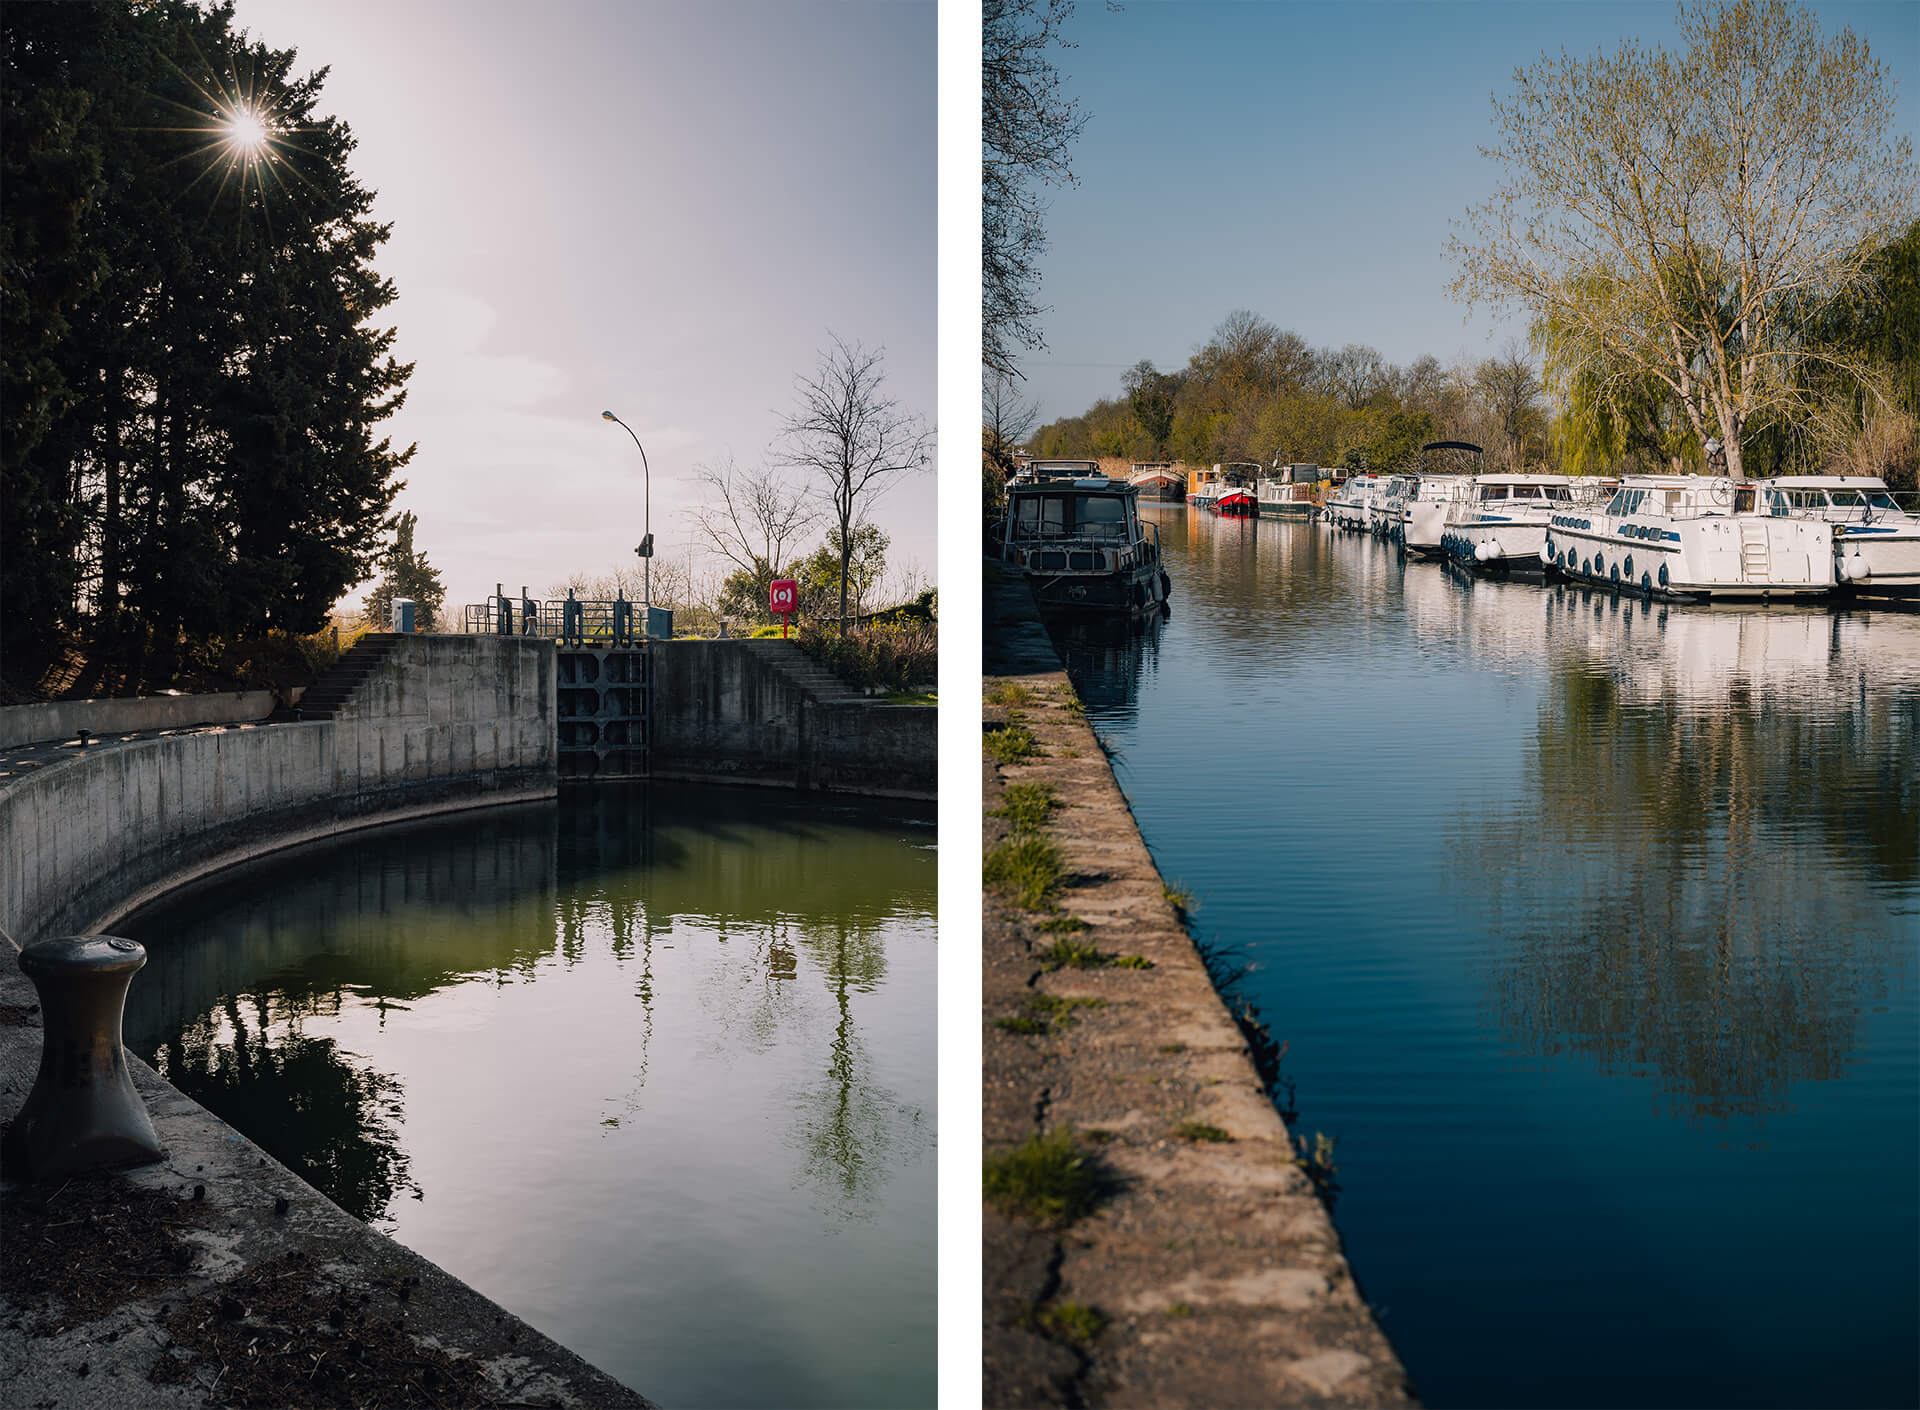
x=1027, y=807
x=1043, y=1013
x=1010, y=744
x=1045, y=1179
x=1027, y=868
x=1073, y=1321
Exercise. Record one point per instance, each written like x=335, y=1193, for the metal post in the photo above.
x=83, y=1113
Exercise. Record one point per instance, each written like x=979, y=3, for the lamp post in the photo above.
x=645, y=550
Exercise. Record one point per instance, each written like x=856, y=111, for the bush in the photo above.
x=886, y=657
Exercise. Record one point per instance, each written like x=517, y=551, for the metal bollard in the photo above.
x=83, y=1113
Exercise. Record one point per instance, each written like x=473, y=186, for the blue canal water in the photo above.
x=652, y=1067
x=1591, y=930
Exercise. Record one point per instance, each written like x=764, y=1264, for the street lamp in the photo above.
x=645, y=550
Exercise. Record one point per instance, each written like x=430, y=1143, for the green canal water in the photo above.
x=651, y=1067
x=1591, y=928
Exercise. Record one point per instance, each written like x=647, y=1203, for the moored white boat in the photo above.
x=1387, y=511
x=1425, y=517
x=1498, y=522
x=1690, y=537
x=1348, y=507
x=1876, y=540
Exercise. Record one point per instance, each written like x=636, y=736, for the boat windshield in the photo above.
x=1059, y=516
x=1847, y=499
x=1040, y=517
x=1102, y=518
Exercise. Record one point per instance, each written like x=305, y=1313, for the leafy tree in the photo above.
x=819, y=574
x=1151, y=394
x=1693, y=217
x=405, y=573
x=193, y=395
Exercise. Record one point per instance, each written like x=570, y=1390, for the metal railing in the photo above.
x=584, y=620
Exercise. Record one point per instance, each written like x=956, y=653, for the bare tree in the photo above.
x=1691, y=217
x=855, y=441
x=1027, y=124
x=752, y=516
x=1511, y=393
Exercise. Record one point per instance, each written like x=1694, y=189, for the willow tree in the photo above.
x=1691, y=217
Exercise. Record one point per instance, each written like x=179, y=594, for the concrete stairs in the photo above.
x=816, y=680
x=327, y=696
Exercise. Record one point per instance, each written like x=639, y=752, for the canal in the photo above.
x=1590, y=928
x=652, y=1067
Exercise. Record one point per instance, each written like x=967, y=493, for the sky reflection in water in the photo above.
x=654, y=1069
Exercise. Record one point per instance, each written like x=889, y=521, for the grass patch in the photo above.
x=1074, y=1321
x=1071, y=699
x=1179, y=1309
x=1027, y=806
x=1045, y=1179
x=1008, y=693
x=1171, y=1048
x=1044, y=1013
x=913, y=697
x=1069, y=953
x=1010, y=744
x=1179, y=898
x=1028, y=869
x=1062, y=924
x=1101, y=1138
x=1200, y=1131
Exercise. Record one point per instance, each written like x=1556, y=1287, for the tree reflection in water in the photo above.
x=323, y=1112
x=1660, y=801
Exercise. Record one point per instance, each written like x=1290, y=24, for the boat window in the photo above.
x=1847, y=499
x=1104, y=517
x=1559, y=493
x=1493, y=492
x=1618, y=504
x=1777, y=502
x=1743, y=500
x=1041, y=517
x=1879, y=499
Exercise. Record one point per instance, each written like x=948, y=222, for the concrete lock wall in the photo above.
x=445, y=723
x=64, y=719
x=724, y=714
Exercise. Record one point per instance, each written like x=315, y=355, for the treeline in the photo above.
x=192, y=379
x=1257, y=392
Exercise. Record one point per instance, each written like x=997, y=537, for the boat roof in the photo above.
x=1514, y=477
x=1095, y=484
x=1825, y=482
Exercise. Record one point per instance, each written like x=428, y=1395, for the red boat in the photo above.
x=1237, y=502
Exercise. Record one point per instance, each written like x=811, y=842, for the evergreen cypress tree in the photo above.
x=404, y=573
x=198, y=456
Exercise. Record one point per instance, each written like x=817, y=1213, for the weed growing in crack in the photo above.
x=1073, y=1321
x=1045, y=1179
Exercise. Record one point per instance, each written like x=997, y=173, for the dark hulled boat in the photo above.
x=1078, y=537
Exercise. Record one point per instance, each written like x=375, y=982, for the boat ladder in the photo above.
x=1756, y=564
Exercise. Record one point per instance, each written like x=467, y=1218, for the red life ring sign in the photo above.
x=782, y=593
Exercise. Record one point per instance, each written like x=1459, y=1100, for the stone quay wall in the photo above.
x=445, y=723
x=64, y=719
x=758, y=712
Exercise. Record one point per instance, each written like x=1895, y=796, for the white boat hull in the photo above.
x=1712, y=557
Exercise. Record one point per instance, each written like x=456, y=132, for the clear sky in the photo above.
x=1304, y=160
x=658, y=209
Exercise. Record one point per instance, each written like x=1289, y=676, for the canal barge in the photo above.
x=1079, y=539
x=1291, y=492
x=1691, y=538
x=1237, y=502
x=1876, y=540
x=1158, y=481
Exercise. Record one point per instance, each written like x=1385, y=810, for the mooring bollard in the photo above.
x=83, y=1113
